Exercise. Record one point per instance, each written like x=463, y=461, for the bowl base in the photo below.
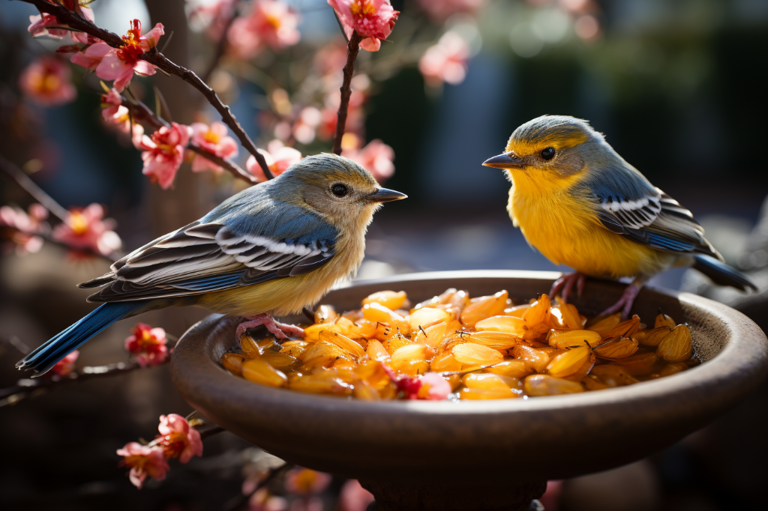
x=452, y=496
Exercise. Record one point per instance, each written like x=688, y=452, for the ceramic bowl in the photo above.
x=482, y=442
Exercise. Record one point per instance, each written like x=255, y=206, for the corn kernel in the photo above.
x=568, y=363
x=326, y=314
x=564, y=339
x=543, y=385
x=676, y=346
x=616, y=348
x=259, y=371
x=484, y=307
x=471, y=353
x=390, y=299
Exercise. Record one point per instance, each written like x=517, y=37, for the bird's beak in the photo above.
x=505, y=161
x=385, y=195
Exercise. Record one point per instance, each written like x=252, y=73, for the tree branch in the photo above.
x=37, y=193
x=241, y=500
x=32, y=387
x=353, y=48
x=142, y=112
x=156, y=58
x=221, y=46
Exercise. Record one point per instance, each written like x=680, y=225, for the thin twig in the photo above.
x=156, y=58
x=46, y=235
x=141, y=112
x=32, y=387
x=239, y=501
x=49, y=203
x=353, y=48
x=37, y=193
x=221, y=46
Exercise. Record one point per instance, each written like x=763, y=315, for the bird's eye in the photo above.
x=339, y=190
x=548, y=153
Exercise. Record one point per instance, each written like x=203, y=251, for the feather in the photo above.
x=223, y=251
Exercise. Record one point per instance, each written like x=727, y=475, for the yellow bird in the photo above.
x=582, y=205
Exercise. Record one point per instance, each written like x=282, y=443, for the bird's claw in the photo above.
x=625, y=302
x=566, y=283
x=279, y=330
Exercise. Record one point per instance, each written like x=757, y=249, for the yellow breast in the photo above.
x=566, y=230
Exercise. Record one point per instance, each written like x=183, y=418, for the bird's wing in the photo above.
x=648, y=216
x=214, y=254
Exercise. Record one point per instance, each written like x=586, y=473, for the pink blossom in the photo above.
x=331, y=58
x=262, y=500
x=148, y=344
x=435, y=387
x=278, y=156
x=85, y=228
x=91, y=56
x=46, y=81
x=371, y=19
x=440, y=10
x=23, y=226
x=119, y=64
x=64, y=366
x=446, y=61
x=354, y=497
x=308, y=121
x=213, y=14
x=144, y=461
x=40, y=26
x=355, y=115
x=303, y=481
x=178, y=438
x=270, y=23
x=213, y=139
x=376, y=157
x=430, y=386
x=164, y=153
x=113, y=111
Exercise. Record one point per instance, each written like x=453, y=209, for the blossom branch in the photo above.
x=221, y=47
x=353, y=48
x=111, y=258
x=33, y=387
x=51, y=205
x=242, y=500
x=37, y=193
x=156, y=58
x=142, y=112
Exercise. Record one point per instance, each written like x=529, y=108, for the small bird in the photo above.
x=271, y=249
x=582, y=205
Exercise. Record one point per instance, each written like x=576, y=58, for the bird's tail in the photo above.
x=721, y=273
x=45, y=357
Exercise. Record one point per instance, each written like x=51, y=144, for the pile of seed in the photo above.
x=484, y=347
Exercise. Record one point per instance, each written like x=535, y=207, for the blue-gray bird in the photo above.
x=270, y=249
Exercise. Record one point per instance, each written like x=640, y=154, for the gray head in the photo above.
x=553, y=144
x=333, y=186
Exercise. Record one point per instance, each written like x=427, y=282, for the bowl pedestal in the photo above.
x=479, y=455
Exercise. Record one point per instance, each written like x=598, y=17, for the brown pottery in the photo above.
x=480, y=455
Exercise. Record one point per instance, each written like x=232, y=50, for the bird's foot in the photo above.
x=566, y=283
x=279, y=330
x=625, y=302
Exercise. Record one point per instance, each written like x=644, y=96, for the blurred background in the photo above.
x=678, y=89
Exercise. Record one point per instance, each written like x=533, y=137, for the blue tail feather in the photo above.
x=45, y=356
x=721, y=273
